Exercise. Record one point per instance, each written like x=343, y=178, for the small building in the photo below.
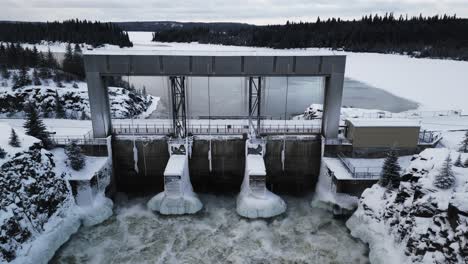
x=373, y=135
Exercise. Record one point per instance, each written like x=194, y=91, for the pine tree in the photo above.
x=458, y=162
x=59, y=111
x=36, y=79
x=23, y=79
x=51, y=62
x=464, y=144
x=446, y=178
x=67, y=64
x=83, y=115
x=144, y=93
x=58, y=79
x=14, y=140
x=2, y=153
x=390, y=176
x=75, y=157
x=35, y=127
x=465, y=164
x=4, y=71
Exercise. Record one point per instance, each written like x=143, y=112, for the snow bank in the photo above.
x=178, y=196
x=417, y=222
x=255, y=200
x=25, y=141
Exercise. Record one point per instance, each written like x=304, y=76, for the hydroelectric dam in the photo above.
x=251, y=155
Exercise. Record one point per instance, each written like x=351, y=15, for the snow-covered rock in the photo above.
x=74, y=98
x=37, y=210
x=418, y=222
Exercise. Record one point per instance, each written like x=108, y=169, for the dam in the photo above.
x=212, y=153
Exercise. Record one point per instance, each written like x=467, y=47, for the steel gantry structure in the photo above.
x=178, y=65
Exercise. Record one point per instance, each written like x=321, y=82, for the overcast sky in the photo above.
x=249, y=11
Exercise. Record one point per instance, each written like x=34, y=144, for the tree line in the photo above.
x=72, y=31
x=436, y=36
x=44, y=65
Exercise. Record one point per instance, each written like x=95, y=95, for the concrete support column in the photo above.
x=99, y=105
x=332, y=105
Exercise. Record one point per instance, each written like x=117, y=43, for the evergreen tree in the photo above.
x=14, y=140
x=2, y=153
x=75, y=157
x=464, y=143
x=83, y=115
x=51, y=62
x=446, y=178
x=23, y=79
x=458, y=162
x=143, y=92
x=465, y=164
x=390, y=176
x=35, y=127
x=36, y=80
x=4, y=71
x=67, y=64
x=58, y=78
x=59, y=110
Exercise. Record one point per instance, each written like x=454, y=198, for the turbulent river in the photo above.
x=305, y=234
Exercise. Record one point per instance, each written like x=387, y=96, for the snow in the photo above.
x=338, y=168
x=182, y=199
x=92, y=165
x=383, y=122
x=256, y=165
x=257, y=203
x=325, y=191
x=392, y=227
x=25, y=141
x=175, y=166
x=427, y=81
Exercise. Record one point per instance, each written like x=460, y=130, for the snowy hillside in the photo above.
x=418, y=222
x=37, y=210
x=73, y=98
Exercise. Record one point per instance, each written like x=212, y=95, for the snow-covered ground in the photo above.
x=32, y=176
x=417, y=222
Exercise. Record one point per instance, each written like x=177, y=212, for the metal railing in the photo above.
x=411, y=114
x=162, y=129
x=360, y=172
x=63, y=140
x=429, y=137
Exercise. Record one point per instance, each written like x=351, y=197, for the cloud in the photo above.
x=250, y=11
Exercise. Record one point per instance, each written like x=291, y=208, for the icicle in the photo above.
x=282, y=159
x=209, y=157
x=135, y=156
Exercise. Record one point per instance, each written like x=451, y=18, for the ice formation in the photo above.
x=255, y=200
x=178, y=196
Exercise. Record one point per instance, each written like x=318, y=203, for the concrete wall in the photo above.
x=302, y=165
x=378, y=137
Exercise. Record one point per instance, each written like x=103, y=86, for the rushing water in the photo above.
x=216, y=235
x=229, y=95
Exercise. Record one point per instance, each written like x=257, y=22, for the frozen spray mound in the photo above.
x=254, y=200
x=215, y=235
x=178, y=196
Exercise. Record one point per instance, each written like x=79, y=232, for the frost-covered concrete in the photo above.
x=257, y=201
x=178, y=197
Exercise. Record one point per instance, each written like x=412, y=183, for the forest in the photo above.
x=72, y=31
x=440, y=36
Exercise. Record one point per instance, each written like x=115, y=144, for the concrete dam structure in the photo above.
x=285, y=156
